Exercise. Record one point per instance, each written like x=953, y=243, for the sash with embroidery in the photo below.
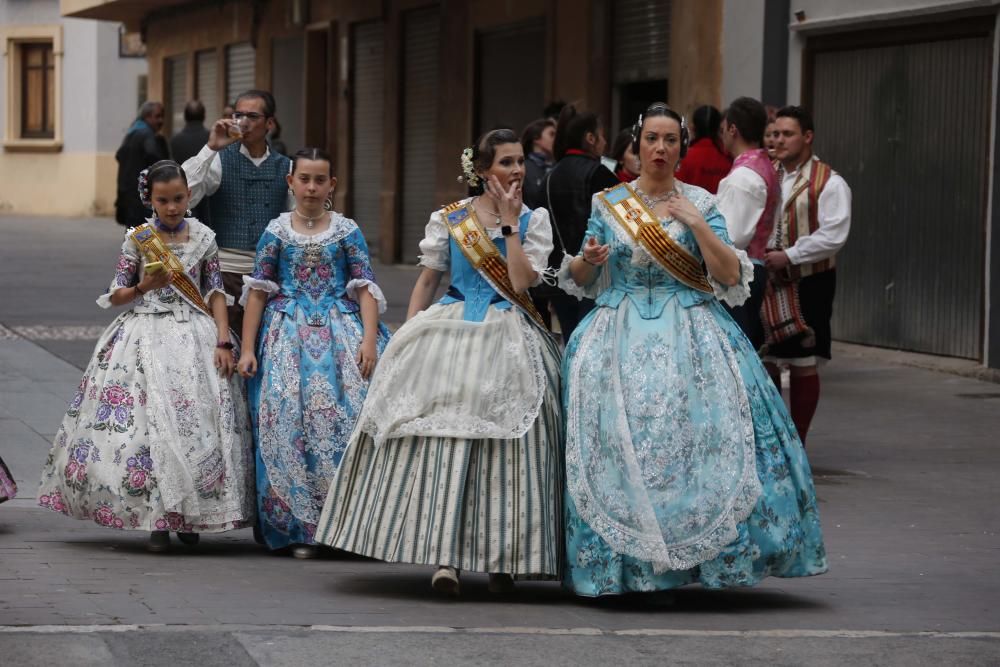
x=643, y=226
x=484, y=256
x=154, y=249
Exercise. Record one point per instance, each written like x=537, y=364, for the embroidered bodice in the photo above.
x=200, y=257
x=315, y=273
x=441, y=252
x=633, y=273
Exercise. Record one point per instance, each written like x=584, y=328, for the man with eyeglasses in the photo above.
x=244, y=183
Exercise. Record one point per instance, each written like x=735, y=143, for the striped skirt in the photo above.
x=482, y=505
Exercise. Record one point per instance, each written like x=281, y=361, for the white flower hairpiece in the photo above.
x=468, y=171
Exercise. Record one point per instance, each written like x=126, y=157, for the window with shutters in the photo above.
x=37, y=91
x=33, y=55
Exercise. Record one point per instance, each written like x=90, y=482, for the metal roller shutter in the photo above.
x=366, y=117
x=177, y=93
x=421, y=33
x=912, y=273
x=239, y=70
x=641, y=42
x=207, y=79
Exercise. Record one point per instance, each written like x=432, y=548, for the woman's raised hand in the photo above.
x=509, y=199
x=594, y=253
x=680, y=208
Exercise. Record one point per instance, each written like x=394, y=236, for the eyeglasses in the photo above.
x=250, y=115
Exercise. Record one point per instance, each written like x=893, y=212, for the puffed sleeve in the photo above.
x=434, y=249
x=359, y=265
x=737, y=294
x=537, y=244
x=595, y=230
x=265, y=267
x=211, y=275
x=126, y=271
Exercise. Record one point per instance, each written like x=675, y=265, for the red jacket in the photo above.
x=704, y=165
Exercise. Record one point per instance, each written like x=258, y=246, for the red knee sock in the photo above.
x=804, y=395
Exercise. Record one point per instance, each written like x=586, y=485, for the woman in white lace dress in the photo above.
x=456, y=461
x=157, y=437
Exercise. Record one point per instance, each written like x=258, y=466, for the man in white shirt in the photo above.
x=244, y=183
x=749, y=198
x=813, y=226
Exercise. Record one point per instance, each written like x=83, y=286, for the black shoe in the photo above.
x=159, y=541
x=189, y=539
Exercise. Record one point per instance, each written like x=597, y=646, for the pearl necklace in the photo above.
x=310, y=222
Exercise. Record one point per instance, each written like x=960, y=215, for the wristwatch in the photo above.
x=506, y=230
x=224, y=345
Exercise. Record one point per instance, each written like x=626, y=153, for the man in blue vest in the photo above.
x=244, y=182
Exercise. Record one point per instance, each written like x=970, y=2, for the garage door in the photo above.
x=907, y=125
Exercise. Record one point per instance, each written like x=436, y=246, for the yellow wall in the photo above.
x=64, y=184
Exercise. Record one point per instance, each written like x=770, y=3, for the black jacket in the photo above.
x=571, y=185
x=140, y=148
x=186, y=143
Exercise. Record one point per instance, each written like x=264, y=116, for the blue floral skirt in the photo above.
x=781, y=537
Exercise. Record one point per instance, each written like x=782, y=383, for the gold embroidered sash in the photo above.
x=155, y=250
x=484, y=256
x=643, y=226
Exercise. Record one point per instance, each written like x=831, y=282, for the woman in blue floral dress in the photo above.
x=314, y=298
x=157, y=436
x=682, y=464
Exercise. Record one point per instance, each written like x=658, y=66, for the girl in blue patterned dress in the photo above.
x=682, y=464
x=313, y=297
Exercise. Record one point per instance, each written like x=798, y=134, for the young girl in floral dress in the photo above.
x=157, y=437
x=314, y=299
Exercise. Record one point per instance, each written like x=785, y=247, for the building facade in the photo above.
x=67, y=95
x=904, y=94
x=396, y=89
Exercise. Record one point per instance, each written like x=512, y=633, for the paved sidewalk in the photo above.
x=906, y=462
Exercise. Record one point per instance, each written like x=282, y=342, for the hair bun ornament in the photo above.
x=144, y=194
x=468, y=171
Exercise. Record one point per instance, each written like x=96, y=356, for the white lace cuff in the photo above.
x=435, y=262
x=358, y=283
x=249, y=283
x=740, y=292
x=230, y=299
x=104, y=301
x=567, y=284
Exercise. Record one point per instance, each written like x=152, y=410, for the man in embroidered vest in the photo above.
x=749, y=198
x=813, y=225
x=244, y=183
